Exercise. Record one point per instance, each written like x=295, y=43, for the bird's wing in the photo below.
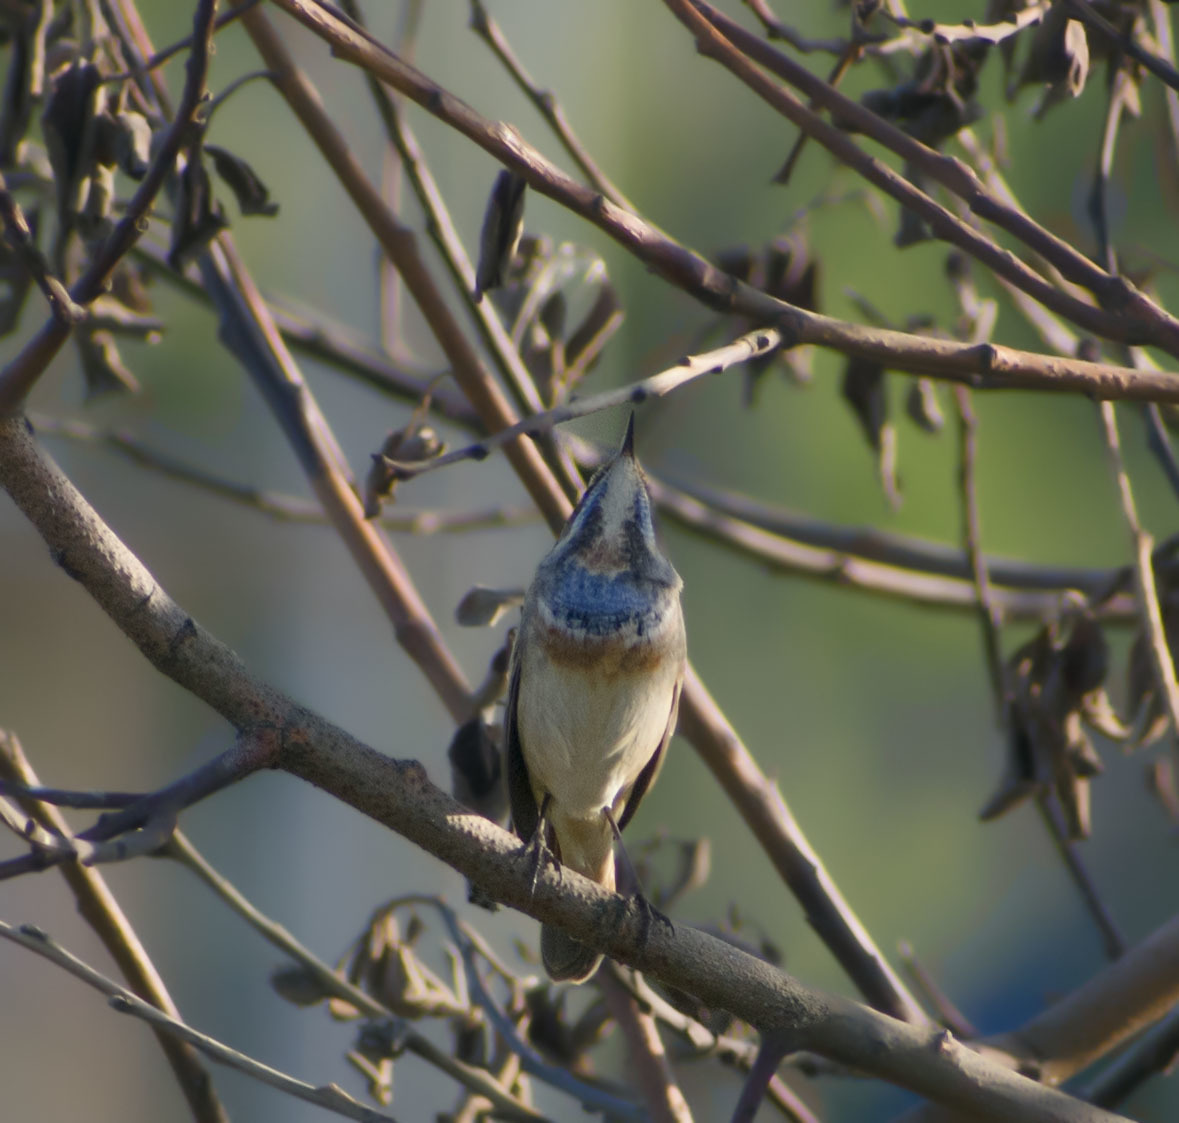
x=646, y=778
x=525, y=814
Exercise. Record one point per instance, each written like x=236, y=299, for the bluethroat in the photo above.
x=596, y=673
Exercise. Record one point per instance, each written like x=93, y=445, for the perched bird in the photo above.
x=595, y=686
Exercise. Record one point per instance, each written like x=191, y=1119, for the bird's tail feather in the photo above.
x=586, y=846
x=565, y=959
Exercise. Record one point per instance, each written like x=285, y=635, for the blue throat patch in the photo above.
x=603, y=604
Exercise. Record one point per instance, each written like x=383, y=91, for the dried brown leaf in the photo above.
x=503, y=223
x=482, y=607
x=922, y=405
x=66, y=126
x=476, y=770
x=102, y=365
x=253, y=196
x=198, y=217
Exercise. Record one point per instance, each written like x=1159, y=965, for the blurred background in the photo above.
x=874, y=717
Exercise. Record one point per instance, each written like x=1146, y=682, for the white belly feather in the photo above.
x=586, y=737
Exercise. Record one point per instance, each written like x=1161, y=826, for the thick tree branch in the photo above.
x=1129, y=995
x=1123, y=312
x=399, y=795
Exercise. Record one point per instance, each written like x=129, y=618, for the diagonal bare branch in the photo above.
x=398, y=794
x=982, y=366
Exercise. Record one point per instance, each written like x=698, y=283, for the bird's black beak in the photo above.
x=628, y=442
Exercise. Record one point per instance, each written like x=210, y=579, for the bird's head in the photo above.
x=611, y=530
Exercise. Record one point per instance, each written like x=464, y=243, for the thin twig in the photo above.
x=844, y=566
x=842, y=65
x=1160, y=16
x=255, y=341
x=704, y=1042
x=145, y=824
x=972, y=541
x=61, y=797
x=757, y=1082
x=1000, y=685
x=748, y=347
x=947, y=1010
x=899, y=550
x=531, y=1061
x=278, y=505
x=1148, y=600
x=776, y=29
x=164, y=54
x=1122, y=89
x=699, y=1039
x=645, y=1054
x=20, y=237
x=1112, y=940
x=440, y=227
x=475, y=1079
x=327, y=1096
x=545, y=102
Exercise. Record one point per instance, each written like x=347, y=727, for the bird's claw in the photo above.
x=649, y=915
x=537, y=854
